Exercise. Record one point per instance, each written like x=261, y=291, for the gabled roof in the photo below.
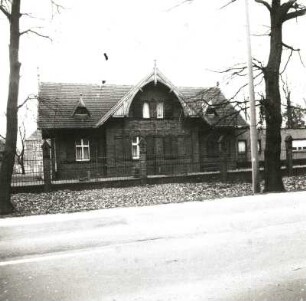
x=201, y=99
x=58, y=102
x=122, y=107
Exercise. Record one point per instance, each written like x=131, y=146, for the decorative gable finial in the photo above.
x=155, y=73
x=81, y=102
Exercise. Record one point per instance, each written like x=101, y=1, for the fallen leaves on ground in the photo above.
x=72, y=201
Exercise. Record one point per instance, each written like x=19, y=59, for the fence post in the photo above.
x=289, y=161
x=143, y=158
x=222, y=158
x=47, y=165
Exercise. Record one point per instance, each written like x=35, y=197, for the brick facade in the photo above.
x=174, y=144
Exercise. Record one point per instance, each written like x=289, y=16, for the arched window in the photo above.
x=160, y=110
x=146, y=110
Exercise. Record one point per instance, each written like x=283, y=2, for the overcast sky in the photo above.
x=187, y=41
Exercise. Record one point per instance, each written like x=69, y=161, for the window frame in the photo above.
x=160, y=109
x=136, y=146
x=146, y=110
x=298, y=145
x=82, y=146
x=244, y=152
x=259, y=146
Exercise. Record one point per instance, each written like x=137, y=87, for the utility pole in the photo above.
x=253, y=132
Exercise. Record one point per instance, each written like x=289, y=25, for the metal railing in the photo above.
x=110, y=168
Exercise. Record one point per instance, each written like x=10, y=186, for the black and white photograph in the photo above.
x=152, y=150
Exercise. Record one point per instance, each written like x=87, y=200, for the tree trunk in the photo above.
x=12, y=122
x=273, y=177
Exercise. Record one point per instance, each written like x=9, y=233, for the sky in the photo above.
x=188, y=41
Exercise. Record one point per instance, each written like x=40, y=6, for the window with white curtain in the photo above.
x=160, y=110
x=82, y=151
x=146, y=110
x=135, y=148
x=242, y=147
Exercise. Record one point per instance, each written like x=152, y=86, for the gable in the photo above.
x=121, y=109
x=153, y=95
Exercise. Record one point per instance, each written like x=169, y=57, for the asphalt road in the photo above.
x=250, y=248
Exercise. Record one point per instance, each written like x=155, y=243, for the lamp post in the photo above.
x=253, y=132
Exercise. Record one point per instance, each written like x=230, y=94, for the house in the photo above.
x=33, y=159
x=298, y=146
x=110, y=130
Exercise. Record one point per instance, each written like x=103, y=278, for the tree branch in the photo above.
x=265, y=3
x=36, y=33
x=58, y=7
x=290, y=55
x=5, y=12
x=30, y=97
x=295, y=14
x=225, y=5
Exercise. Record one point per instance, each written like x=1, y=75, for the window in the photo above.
x=146, y=110
x=81, y=111
x=299, y=145
x=160, y=110
x=82, y=152
x=135, y=148
x=241, y=147
x=211, y=111
x=259, y=147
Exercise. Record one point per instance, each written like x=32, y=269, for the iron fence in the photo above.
x=123, y=168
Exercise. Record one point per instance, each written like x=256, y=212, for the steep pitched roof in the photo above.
x=58, y=102
x=213, y=107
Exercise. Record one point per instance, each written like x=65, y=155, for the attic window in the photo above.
x=211, y=111
x=80, y=109
x=146, y=110
x=160, y=110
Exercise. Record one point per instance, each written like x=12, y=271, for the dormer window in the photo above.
x=80, y=110
x=160, y=110
x=146, y=110
x=211, y=111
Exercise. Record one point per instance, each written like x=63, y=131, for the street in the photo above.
x=247, y=248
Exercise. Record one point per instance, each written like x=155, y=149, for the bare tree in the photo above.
x=279, y=13
x=11, y=10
